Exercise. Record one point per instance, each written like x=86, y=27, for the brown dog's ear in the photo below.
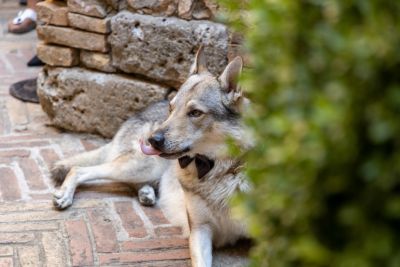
x=200, y=63
x=229, y=78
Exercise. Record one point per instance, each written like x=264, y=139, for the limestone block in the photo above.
x=89, y=23
x=114, y=3
x=94, y=8
x=186, y=9
x=212, y=6
x=81, y=100
x=235, y=50
x=54, y=12
x=154, y=7
x=54, y=55
x=122, y=5
x=163, y=49
x=204, y=9
x=98, y=61
x=73, y=38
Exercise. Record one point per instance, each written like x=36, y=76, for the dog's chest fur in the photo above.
x=217, y=186
x=208, y=198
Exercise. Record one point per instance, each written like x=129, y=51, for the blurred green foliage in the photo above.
x=325, y=87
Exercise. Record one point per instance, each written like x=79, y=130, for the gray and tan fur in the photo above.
x=197, y=121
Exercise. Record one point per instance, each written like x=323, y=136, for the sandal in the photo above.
x=24, y=22
x=25, y=90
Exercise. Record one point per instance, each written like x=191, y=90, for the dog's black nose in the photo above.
x=157, y=140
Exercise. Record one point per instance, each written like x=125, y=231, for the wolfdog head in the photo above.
x=204, y=112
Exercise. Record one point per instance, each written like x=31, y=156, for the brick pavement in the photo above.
x=106, y=226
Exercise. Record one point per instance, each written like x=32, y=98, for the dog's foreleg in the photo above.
x=200, y=242
x=146, y=195
x=123, y=169
x=61, y=168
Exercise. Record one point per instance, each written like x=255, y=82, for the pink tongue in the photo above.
x=148, y=149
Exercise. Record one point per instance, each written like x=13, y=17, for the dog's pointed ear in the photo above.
x=233, y=97
x=229, y=78
x=200, y=63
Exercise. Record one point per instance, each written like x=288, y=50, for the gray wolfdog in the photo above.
x=181, y=147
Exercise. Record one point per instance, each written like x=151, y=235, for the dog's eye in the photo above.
x=195, y=113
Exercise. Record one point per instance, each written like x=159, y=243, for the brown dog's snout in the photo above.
x=157, y=140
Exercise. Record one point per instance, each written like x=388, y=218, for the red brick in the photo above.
x=104, y=190
x=32, y=174
x=79, y=242
x=41, y=196
x=14, y=153
x=49, y=156
x=5, y=160
x=27, y=53
x=14, y=238
x=6, y=262
x=89, y=145
x=103, y=231
x=24, y=144
x=3, y=67
x=172, y=263
x=6, y=251
x=16, y=60
x=24, y=137
x=3, y=119
x=168, y=231
x=127, y=257
x=130, y=220
x=155, y=215
x=154, y=244
x=9, y=188
x=12, y=78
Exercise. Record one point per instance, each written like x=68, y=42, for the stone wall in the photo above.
x=107, y=59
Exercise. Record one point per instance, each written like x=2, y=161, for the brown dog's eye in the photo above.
x=195, y=113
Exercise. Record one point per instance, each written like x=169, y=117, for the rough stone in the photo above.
x=186, y=9
x=190, y=9
x=201, y=11
x=89, y=23
x=98, y=61
x=235, y=50
x=122, y=5
x=54, y=55
x=73, y=38
x=85, y=101
x=93, y=8
x=54, y=12
x=154, y=7
x=114, y=4
x=163, y=49
x=236, y=38
x=213, y=6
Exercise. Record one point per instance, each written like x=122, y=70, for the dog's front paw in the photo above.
x=147, y=196
x=58, y=173
x=62, y=199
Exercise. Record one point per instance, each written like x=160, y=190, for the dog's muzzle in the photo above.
x=157, y=140
x=156, y=146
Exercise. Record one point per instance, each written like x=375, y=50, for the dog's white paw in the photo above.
x=62, y=199
x=147, y=196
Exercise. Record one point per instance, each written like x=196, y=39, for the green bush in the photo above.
x=325, y=87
